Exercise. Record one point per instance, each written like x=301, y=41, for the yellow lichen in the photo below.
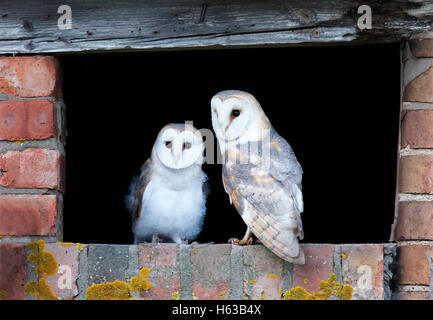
x=222, y=294
x=18, y=141
x=175, y=295
x=40, y=289
x=343, y=256
x=305, y=281
x=327, y=289
x=148, y=256
x=79, y=247
x=144, y=272
x=119, y=290
x=116, y=290
x=46, y=266
x=281, y=270
x=280, y=291
x=65, y=244
x=271, y=275
x=140, y=284
x=2, y=294
x=253, y=281
x=46, y=263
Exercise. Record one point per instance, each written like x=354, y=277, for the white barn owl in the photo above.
x=168, y=199
x=260, y=173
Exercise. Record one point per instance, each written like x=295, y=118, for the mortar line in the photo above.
x=237, y=273
x=185, y=271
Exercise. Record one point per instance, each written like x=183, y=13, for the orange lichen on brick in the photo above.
x=18, y=141
x=65, y=244
x=327, y=289
x=79, y=247
x=46, y=263
x=40, y=289
x=116, y=290
x=175, y=295
x=46, y=266
x=271, y=275
x=222, y=294
x=2, y=294
x=253, y=281
x=119, y=290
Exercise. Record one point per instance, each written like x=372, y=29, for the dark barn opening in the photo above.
x=338, y=107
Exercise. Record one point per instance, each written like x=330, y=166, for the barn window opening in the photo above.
x=338, y=107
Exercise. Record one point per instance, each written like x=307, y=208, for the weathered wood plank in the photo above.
x=30, y=26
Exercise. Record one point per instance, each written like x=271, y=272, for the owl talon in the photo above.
x=242, y=242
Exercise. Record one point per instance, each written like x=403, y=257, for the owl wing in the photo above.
x=139, y=190
x=270, y=200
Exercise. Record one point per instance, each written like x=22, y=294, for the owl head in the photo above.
x=237, y=115
x=179, y=146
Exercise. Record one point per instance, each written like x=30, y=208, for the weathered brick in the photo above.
x=318, y=266
x=12, y=270
x=412, y=295
x=30, y=76
x=164, y=275
x=414, y=265
x=32, y=168
x=28, y=215
x=211, y=273
x=414, y=220
x=422, y=48
x=416, y=174
x=420, y=89
x=27, y=119
x=362, y=268
x=417, y=129
x=107, y=263
x=263, y=273
x=64, y=283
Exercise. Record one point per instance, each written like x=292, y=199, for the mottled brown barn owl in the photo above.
x=260, y=174
x=168, y=199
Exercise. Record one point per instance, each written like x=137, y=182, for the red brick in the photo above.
x=318, y=266
x=32, y=168
x=164, y=276
x=263, y=273
x=12, y=270
x=413, y=295
x=422, y=48
x=30, y=77
x=22, y=215
x=420, y=89
x=362, y=268
x=64, y=283
x=27, y=119
x=211, y=273
x=417, y=129
x=414, y=220
x=413, y=265
x=416, y=174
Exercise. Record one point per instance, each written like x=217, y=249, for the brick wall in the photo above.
x=413, y=224
x=189, y=272
x=32, y=161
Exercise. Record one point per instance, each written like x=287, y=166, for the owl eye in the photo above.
x=186, y=145
x=168, y=144
x=236, y=113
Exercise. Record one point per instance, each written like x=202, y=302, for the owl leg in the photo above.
x=155, y=238
x=246, y=240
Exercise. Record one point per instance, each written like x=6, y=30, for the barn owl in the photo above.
x=168, y=199
x=260, y=174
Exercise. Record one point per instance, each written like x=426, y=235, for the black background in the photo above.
x=337, y=106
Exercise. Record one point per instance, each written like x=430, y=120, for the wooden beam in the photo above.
x=30, y=26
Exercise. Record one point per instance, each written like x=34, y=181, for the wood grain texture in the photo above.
x=30, y=26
